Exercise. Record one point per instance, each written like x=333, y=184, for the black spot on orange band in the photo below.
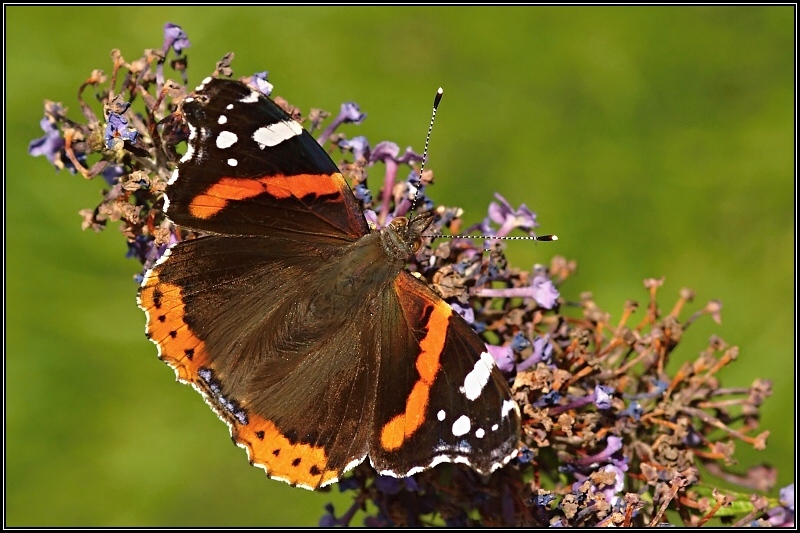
x=294, y=462
x=167, y=327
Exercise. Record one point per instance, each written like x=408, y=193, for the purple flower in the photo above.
x=328, y=519
x=348, y=483
x=411, y=484
x=544, y=292
x=542, y=351
x=783, y=516
x=385, y=151
x=519, y=342
x=112, y=172
x=503, y=356
x=358, y=145
x=388, y=152
x=541, y=290
x=175, y=38
x=52, y=144
x=259, y=81
x=484, y=228
x=372, y=217
x=139, y=248
x=613, y=445
x=525, y=455
x=117, y=130
x=349, y=113
x=786, y=495
x=547, y=399
x=466, y=312
x=144, y=249
x=362, y=193
x=693, y=439
x=509, y=218
x=610, y=492
x=602, y=396
x=634, y=410
x=49, y=145
x=542, y=500
x=388, y=484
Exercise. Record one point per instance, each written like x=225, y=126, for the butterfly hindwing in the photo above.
x=234, y=317
x=440, y=396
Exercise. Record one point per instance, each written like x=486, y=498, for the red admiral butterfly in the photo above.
x=300, y=326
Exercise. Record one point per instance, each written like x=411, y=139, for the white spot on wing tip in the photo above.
x=232, y=162
x=441, y=415
x=226, y=139
x=250, y=98
x=222, y=119
x=203, y=83
x=274, y=134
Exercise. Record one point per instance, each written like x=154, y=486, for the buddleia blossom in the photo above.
x=611, y=438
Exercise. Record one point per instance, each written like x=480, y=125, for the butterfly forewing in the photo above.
x=249, y=169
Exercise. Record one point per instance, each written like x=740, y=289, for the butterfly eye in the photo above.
x=399, y=223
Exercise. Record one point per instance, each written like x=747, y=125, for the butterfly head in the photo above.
x=403, y=236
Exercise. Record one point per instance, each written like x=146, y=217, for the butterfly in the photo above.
x=299, y=325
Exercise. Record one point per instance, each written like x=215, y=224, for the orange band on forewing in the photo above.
x=215, y=198
x=402, y=426
x=266, y=445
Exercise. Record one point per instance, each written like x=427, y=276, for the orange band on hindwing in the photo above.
x=402, y=426
x=167, y=327
x=267, y=446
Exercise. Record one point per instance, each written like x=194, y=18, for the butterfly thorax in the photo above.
x=367, y=266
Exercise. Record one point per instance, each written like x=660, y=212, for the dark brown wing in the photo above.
x=440, y=397
x=250, y=169
x=248, y=322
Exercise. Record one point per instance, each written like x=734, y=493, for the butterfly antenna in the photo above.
x=436, y=100
x=543, y=238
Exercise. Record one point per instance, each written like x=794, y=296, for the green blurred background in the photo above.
x=655, y=141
